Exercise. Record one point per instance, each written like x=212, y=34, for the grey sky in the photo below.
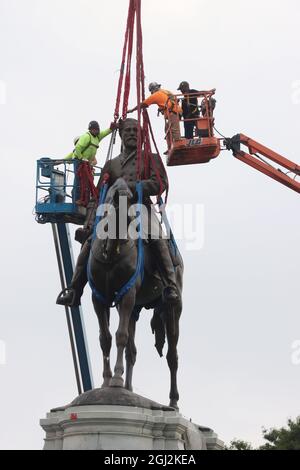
x=59, y=64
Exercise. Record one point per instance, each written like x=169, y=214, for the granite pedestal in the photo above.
x=116, y=419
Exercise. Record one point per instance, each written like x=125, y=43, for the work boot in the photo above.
x=165, y=266
x=69, y=298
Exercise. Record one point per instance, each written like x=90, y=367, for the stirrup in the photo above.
x=61, y=297
x=174, y=297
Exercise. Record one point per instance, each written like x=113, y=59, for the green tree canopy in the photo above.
x=238, y=444
x=285, y=438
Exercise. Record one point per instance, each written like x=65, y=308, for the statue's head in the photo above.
x=128, y=132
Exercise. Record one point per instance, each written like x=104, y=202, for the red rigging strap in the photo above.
x=128, y=68
x=144, y=125
x=144, y=140
x=139, y=79
x=126, y=53
x=153, y=162
x=86, y=183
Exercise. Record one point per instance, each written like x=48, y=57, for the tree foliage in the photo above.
x=285, y=438
x=238, y=444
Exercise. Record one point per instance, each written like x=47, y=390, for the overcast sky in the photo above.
x=59, y=63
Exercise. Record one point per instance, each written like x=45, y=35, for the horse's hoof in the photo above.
x=106, y=384
x=116, y=382
x=173, y=404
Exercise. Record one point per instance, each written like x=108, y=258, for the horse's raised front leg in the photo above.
x=130, y=353
x=125, y=308
x=105, y=338
x=172, y=314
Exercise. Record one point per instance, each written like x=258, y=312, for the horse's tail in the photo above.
x=158, y=329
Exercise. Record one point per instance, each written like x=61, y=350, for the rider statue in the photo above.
x=124, y=166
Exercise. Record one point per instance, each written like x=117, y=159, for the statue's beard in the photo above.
x=131, y=144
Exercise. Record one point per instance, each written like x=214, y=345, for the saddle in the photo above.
x=150, y=264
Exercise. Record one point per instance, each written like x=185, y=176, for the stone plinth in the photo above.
x=115, y=419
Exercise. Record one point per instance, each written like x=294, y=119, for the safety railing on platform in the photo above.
x=57, y=190
x=203, y=114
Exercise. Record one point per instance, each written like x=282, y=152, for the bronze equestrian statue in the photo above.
x=113, y=262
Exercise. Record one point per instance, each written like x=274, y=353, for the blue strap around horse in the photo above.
x=140, y=260
x=165, y=220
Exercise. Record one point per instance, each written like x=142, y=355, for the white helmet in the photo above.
x=154, y=86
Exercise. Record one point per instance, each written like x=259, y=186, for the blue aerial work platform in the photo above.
x=57, y=190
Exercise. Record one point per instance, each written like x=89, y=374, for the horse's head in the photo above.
x=112, y=230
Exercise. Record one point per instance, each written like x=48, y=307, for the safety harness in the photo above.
x=86, y=178
x=171, y=99
x=90, y=144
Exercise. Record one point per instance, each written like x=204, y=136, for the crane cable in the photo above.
x=145, y=159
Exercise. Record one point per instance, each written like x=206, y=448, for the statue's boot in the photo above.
x=82, y=234
x=68, y=297
x=90, y=215
x=160, y=250
x=71, y=296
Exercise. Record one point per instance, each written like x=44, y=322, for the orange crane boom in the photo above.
x=255, y=159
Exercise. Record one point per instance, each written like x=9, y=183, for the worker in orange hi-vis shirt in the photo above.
x=167, y=105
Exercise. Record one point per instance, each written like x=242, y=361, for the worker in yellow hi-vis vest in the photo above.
x=85, y=151
x=88, y=144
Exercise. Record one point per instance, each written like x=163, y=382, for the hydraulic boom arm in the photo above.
x=255, y=159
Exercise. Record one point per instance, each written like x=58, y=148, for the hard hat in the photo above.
x=94, y=125
x=154, y=86
x=76, y=140
x=183, y=85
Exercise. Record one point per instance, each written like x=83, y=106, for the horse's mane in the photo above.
x=119, y=185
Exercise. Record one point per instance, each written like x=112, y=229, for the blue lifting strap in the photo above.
x=164, y=216
x=99, y=214
x=140, y=260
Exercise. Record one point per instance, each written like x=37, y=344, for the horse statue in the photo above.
x=112, y=263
